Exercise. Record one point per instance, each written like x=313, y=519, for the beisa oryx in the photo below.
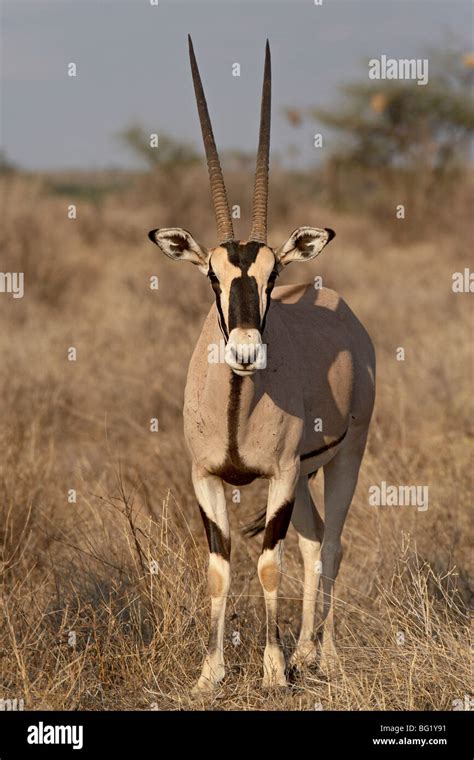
x=253, y=415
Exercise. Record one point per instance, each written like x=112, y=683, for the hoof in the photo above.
x=210, y=678
x=204, y=687
x=274, y=681
x=330, y=664
x=304, y=655
x=274, y=668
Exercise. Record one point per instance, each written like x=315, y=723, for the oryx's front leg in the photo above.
x=281, y=496
x=209, y=491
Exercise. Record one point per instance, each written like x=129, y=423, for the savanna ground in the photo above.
x=103, y=601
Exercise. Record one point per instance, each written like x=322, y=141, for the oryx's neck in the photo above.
x=230, y=398
x=226, y=407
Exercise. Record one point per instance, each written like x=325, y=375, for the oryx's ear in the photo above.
x=180, y=245
x=303, y=244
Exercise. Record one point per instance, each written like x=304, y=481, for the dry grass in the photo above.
x=84, y=567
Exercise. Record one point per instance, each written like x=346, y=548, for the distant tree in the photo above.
x=6, y=166
x=395, y=123
x=400, y=140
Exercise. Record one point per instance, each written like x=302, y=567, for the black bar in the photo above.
x=374, y=734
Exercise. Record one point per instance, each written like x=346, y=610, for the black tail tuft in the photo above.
x=256, y=526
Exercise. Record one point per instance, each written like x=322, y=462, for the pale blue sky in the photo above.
x=133, y=67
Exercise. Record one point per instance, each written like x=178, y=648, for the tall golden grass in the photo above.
x=104, y=602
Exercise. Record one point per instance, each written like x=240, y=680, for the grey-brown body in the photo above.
x=320, y=366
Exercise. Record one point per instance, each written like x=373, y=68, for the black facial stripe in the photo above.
x=222, y=323
x=242, y=256
x=244, y=300
x=268, y=291
x=244, y=307
x=311, y=454
x=217, y=290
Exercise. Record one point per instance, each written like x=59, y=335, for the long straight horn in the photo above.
x=260, y=193
x=225, y=229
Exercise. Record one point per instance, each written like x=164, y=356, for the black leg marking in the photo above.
x=218, y=543
x=212, y=641
x=273, y=635
x=275, y=531
x=277, y=526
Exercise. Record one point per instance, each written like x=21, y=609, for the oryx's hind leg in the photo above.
x=310, y=529
x=209, y=491
x=340, y=481
x=281, y=495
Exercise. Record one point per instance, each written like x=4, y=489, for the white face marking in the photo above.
x=255, y=273
x=225, y=273
x=261, y=269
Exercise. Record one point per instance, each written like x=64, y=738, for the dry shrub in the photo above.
x=123, y=567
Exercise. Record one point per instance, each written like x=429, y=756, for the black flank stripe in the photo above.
x=315, y=453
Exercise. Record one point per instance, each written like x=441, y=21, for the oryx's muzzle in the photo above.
x=245, y=351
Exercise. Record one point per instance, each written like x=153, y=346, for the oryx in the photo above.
x=279, y=414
